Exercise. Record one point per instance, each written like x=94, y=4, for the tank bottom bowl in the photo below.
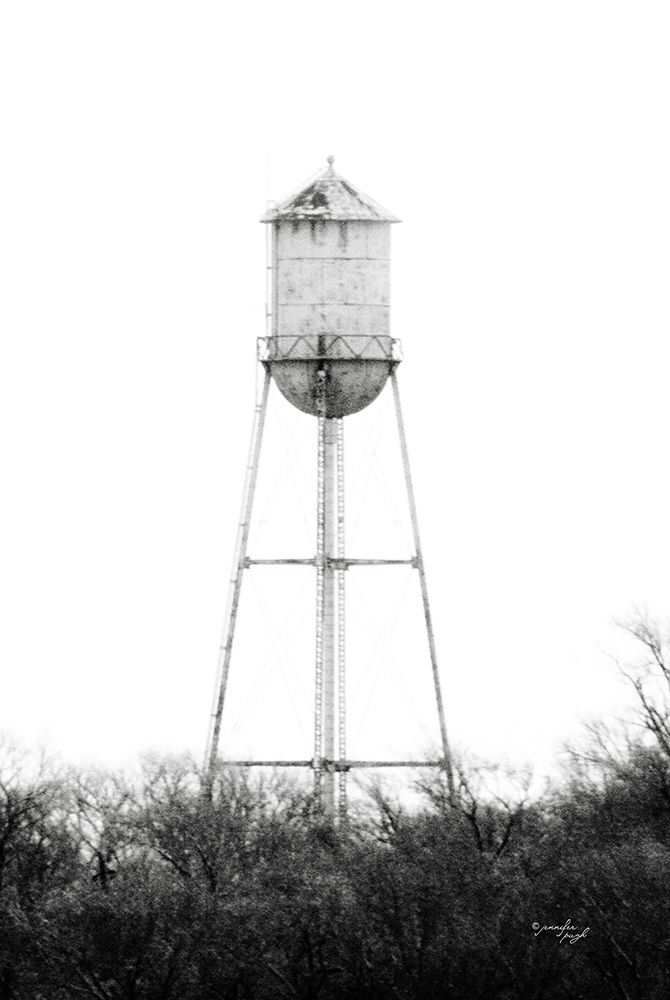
x=350, y=384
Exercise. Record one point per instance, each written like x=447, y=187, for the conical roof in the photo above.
x=329, y=196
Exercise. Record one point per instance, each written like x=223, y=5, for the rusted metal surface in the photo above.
x=330, y=265
x=331, y=278
x=356, y=369
x=331, y=239
x=329, y=196
x=352, y=282
x=312, y=347
x=351, y=385
x=329, y=350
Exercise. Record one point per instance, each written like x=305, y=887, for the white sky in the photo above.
x=526, y=148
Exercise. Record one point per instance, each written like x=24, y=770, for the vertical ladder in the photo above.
x=341, y=648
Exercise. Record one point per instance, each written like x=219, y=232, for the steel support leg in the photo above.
x=226, y=647
x=424, y=591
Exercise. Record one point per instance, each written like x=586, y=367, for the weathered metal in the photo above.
x=329, y=197
x=330, y=262
x=330, y=353
x=356, y=369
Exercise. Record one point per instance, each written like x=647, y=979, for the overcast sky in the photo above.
x=525, y=146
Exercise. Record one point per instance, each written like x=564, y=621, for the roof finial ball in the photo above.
x=330, y=160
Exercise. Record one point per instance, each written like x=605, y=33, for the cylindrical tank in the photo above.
x=330, y=297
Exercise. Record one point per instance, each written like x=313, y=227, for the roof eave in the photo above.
x=324, y=217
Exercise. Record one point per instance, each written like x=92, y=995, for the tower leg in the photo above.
x=239, y=562
x=446, y=754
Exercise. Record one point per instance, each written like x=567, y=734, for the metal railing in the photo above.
x=329, y=347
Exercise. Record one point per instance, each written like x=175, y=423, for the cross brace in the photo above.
x=333, y=563
x=333, y=765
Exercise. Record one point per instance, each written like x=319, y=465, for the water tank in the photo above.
x=330, y=264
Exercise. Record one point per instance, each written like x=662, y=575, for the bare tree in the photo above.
x=649, y=675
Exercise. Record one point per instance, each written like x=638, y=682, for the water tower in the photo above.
x=330, y=353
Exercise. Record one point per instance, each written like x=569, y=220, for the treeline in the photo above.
x=157, y=888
